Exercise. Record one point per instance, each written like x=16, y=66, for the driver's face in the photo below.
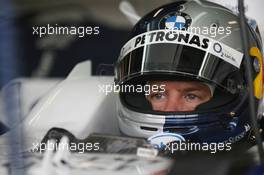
x=178, y=96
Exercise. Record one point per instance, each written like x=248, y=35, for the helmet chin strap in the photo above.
x=249, y=77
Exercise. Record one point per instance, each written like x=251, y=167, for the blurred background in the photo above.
x=23, y=54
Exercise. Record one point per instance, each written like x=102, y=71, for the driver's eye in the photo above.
x=191, y=97
x=157, y=96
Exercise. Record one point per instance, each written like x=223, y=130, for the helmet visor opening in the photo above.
x=139, y=98
x=179, y=60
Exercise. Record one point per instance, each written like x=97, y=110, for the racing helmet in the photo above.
x=188, y=41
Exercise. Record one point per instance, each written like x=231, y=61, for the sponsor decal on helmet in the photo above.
x=258, y=67
x=175, y=21
x=241, y=135
x=160, y=140
x=201, y=42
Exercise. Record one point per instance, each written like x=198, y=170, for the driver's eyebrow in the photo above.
x=191, y=89
x=152, y=83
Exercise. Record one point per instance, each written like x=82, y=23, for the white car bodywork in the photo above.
x=78, y=105
x=75, y=104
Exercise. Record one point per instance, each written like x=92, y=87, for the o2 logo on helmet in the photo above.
x=217, y=47
x=175, y=21
x=160, y=140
